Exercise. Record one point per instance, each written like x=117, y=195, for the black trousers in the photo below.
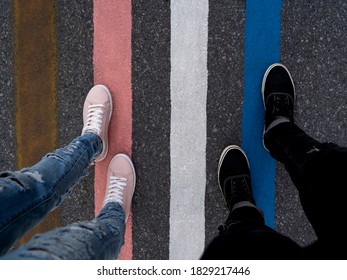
x=319, y=172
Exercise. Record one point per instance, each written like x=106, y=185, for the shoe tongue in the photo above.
x=227, y=181
x=238, y=191
x=281, y=104
x=280, y=95
x=227, y=185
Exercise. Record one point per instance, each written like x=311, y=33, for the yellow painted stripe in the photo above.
x=35, y=71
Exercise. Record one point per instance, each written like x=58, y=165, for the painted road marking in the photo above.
x=189, y=28
x=35, y=73
x=262, y=48
x=112, y=67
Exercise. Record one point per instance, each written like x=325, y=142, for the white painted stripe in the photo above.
x=189, y=33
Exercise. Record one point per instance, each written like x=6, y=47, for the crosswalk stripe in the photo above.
x=112, y=67
x=262, y=48
x=189, y=27
x=35, y=72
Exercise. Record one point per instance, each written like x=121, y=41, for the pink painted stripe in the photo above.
x=112, y=67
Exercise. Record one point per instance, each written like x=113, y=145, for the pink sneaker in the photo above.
x=97, y=112
x=121, y=179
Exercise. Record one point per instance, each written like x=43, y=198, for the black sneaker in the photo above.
x=234, y=177
x=278, y=94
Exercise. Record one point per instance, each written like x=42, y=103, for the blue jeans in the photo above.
x=27, y=196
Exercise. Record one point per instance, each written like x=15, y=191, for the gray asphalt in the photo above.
x=224, y=99
x=7, y=123
x=313, y=46
x=151, y=127
x=75, y=78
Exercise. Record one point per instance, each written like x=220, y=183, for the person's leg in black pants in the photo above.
x=318, y=170
x=244, y=235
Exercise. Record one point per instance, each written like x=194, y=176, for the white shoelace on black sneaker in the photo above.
x=115, y=190
x=94, y=118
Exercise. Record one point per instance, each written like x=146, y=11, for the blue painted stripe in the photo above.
x=262, y=48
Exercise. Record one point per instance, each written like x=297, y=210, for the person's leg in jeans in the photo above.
x=244, y=235
x=318, y=170
x=101, y=238
x=28, y=195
